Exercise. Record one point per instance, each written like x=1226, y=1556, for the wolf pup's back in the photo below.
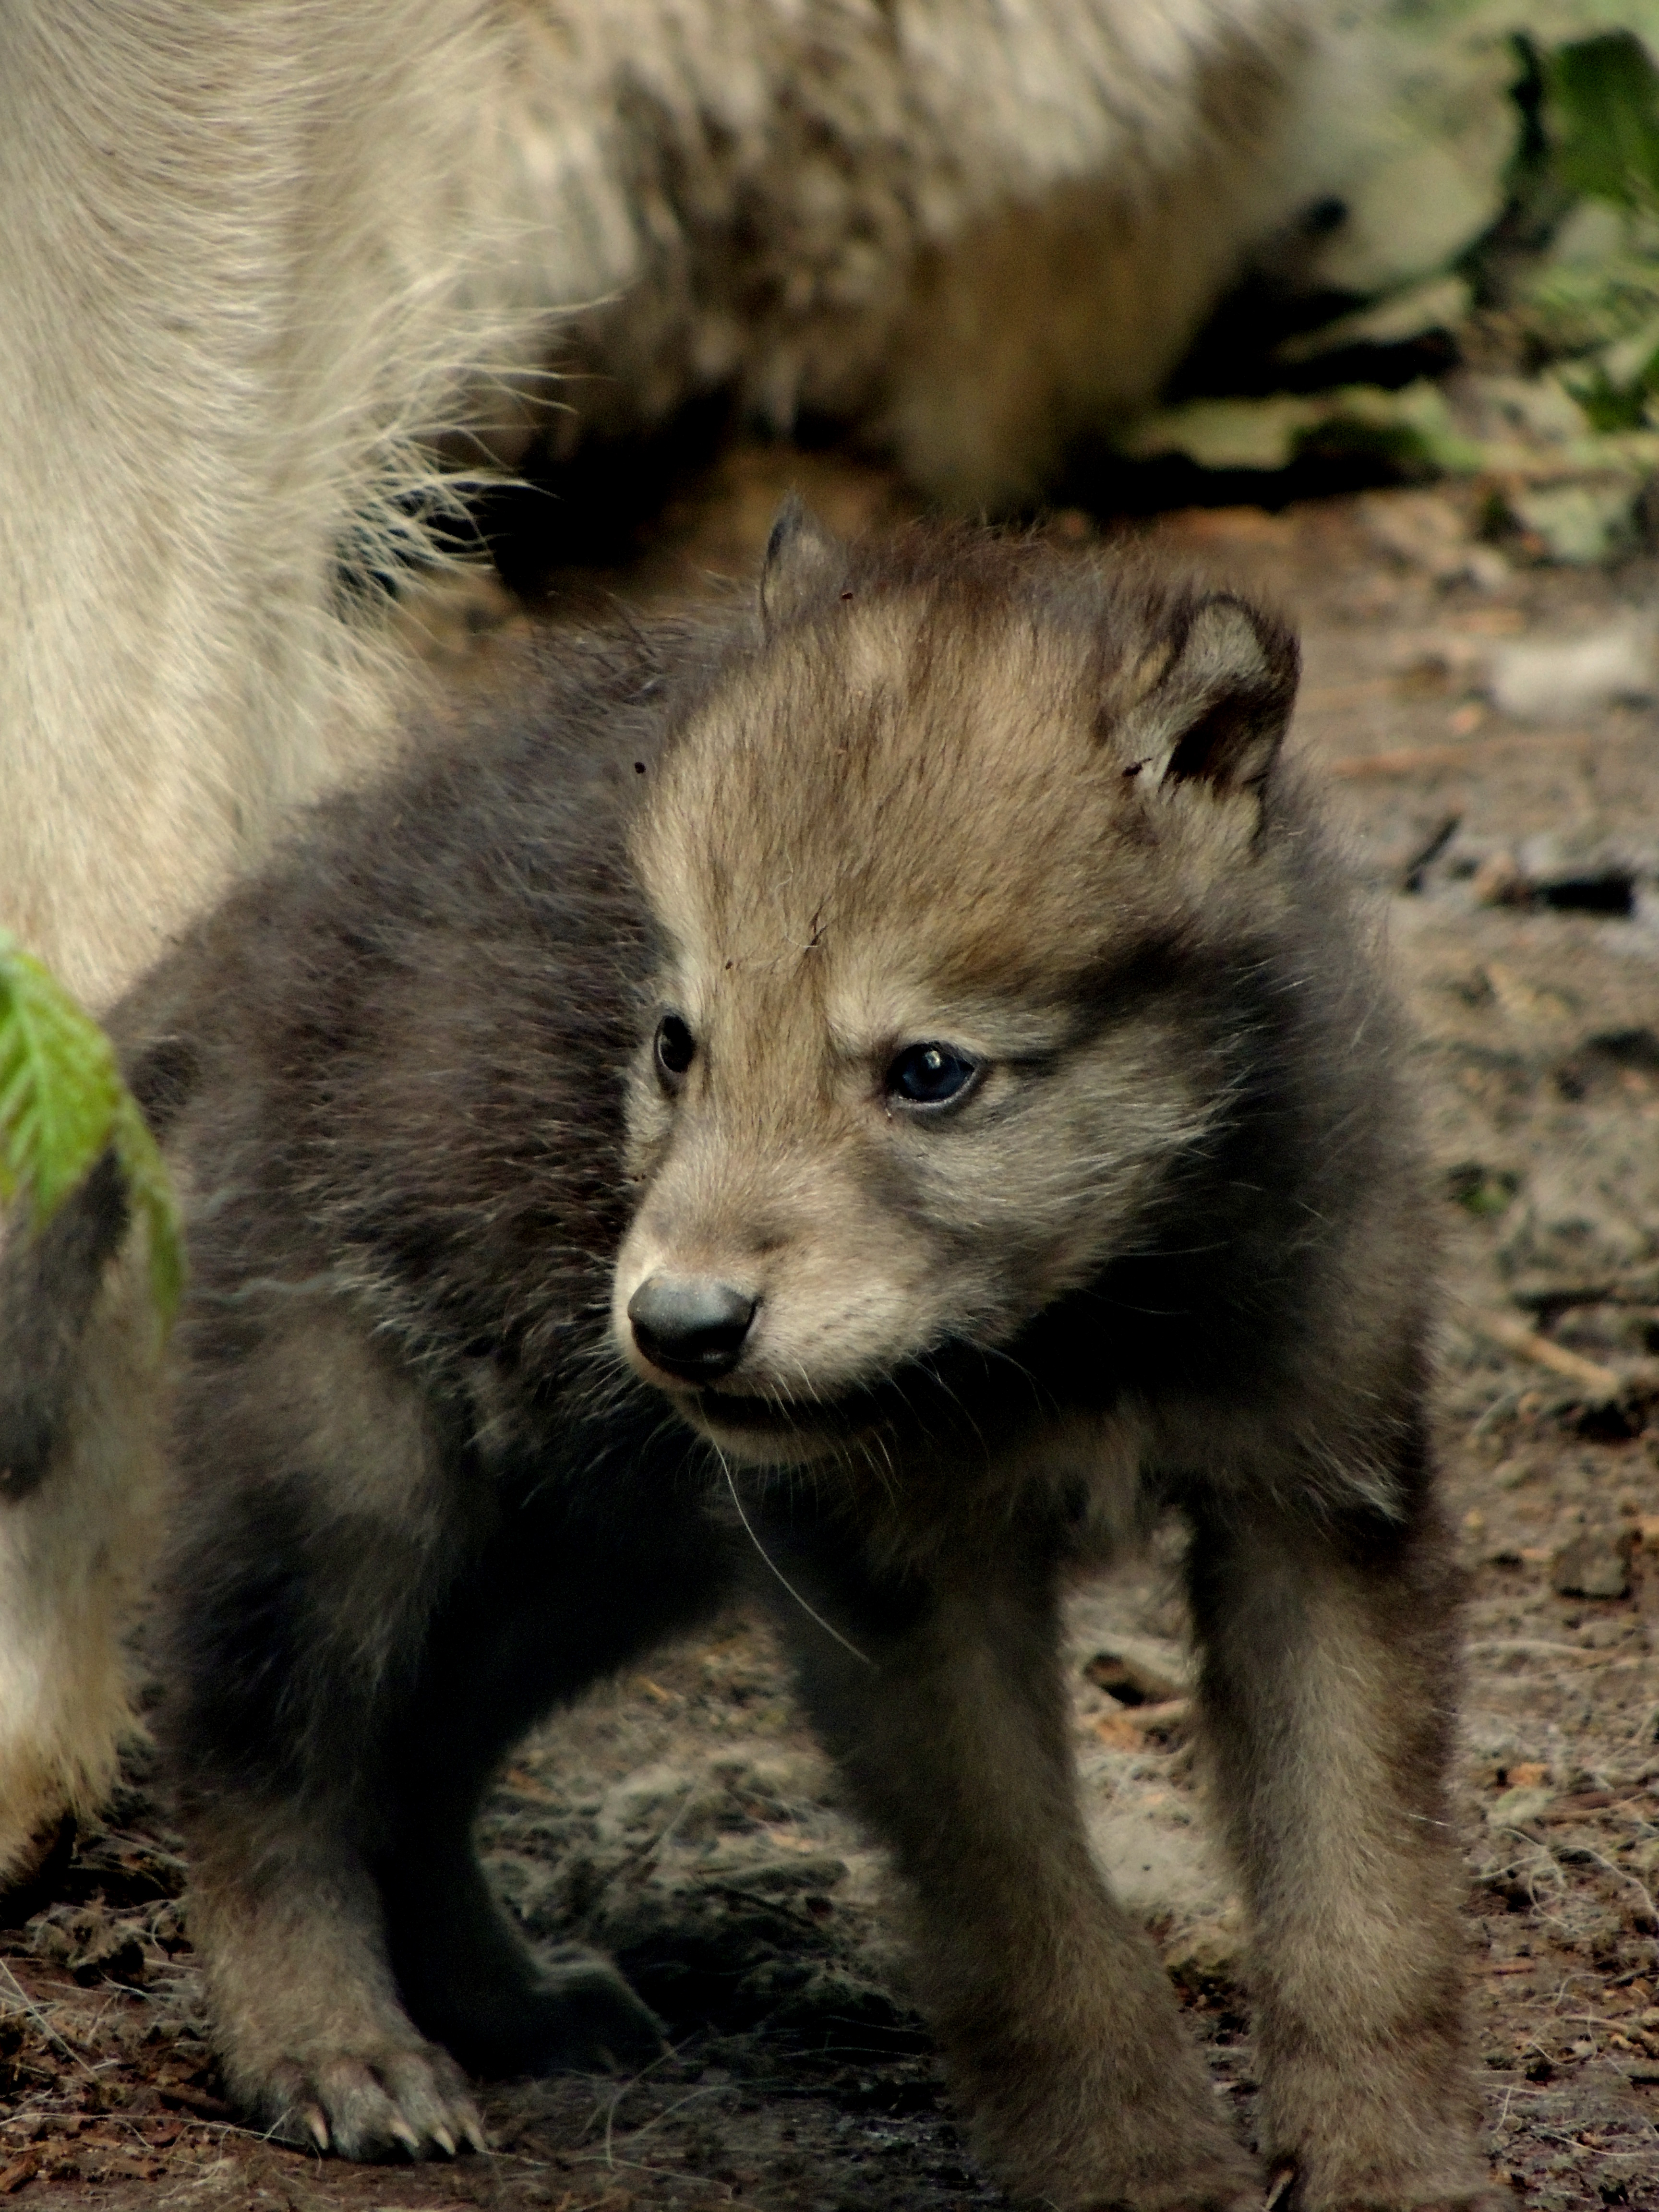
x=919, y=1033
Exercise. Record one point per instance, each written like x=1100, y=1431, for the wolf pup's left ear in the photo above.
x=804, y=564
x=1216, y=712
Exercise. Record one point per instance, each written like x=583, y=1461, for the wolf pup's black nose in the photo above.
x=691, y=1329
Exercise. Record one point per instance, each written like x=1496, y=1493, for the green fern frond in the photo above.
x=63, y=1105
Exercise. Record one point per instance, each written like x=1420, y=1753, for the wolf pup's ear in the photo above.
x=1217, y=711
x=802, y=563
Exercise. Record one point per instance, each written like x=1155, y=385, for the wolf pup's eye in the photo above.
x=676, y=1049
x=931, y=1075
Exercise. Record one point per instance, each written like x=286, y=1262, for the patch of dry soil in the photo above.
x=683, y=1819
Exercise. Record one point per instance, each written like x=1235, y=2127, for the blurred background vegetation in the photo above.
x=1490, y=306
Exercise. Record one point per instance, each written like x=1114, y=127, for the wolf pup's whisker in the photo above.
x=773, y=1567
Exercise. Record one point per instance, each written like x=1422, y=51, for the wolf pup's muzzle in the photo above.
x=690, y=1327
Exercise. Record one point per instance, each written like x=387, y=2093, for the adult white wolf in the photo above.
x=249, y=255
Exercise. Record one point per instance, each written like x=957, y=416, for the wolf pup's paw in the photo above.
x=1213, y=2176
x=1232, y=2189
x=576, y=2016
x=385, y=2102
x=1463, y=2186
x=587, y=2020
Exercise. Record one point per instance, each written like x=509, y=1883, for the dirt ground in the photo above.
x=683, y=1819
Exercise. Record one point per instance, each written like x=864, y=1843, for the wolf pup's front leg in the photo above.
x=358, y=1619
x=1062, y=2035
x=1330, y=1673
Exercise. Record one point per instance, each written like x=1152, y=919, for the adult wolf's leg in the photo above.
x=233, y=245
x=233, y=250
x=79, y=1508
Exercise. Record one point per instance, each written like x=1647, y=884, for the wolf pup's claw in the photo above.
x=376, y=2105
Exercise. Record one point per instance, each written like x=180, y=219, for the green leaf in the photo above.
x=1604, y=114
x=58, y=1085
x=1481, y=1190
x=1577, y=307
x=1610, y=405
x=150, y=1189
x=1413, y=429
x=63, y=1105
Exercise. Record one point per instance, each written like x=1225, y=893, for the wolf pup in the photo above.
x=255, y=259
x=921, y=1032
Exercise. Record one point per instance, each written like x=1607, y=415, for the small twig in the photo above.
x=613, y=2101
x=1499, y=1410
x=1411, y=876
x=707, y=2089
x=1515, y=1336
x=1577, y=1853
x=1150, y=1719
x=44, y=2024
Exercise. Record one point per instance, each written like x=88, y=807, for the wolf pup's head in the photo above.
x=930, y=862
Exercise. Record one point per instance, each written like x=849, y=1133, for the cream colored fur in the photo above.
x=246, y=257
x=74, y=1559
x=249, y=255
